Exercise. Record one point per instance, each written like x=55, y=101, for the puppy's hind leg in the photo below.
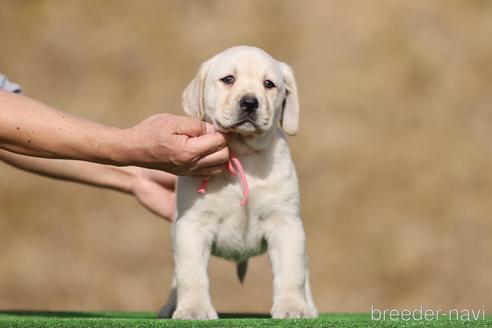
x=167, y=310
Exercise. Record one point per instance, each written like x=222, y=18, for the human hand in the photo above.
x=176, y=144
x=155, y=190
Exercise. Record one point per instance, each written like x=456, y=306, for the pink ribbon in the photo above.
x=233, y=161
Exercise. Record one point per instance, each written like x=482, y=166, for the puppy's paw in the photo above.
x=285, y=309
x=195, y=313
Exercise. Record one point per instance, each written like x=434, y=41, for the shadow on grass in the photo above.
x=244, y=316
x=117, y=315
x=69, y=315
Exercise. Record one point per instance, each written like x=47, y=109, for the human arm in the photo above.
x=175, y=144
x=153, y=189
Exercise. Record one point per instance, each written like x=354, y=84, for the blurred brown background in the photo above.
x=394, y=154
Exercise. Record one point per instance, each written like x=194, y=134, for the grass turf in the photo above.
x=146, y=319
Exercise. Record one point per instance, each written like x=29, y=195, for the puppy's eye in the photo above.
x=269, y=84
x=229, y=79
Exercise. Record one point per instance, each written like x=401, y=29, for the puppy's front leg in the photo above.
x=287, y=252
x=191, y=254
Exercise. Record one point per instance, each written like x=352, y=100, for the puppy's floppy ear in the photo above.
x=193, y=95
x=289, y=118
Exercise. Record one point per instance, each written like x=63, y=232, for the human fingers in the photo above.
x=218, y=158
x=208, y=171
x=208, y=144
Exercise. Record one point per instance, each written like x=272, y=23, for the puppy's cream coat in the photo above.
x=245, y=91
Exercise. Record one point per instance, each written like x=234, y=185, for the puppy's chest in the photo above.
x=270, y=188
x=239, y=236
x=241, y=231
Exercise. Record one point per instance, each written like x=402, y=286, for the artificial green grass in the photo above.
x=146, y=319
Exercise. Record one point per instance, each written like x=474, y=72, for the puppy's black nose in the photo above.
x=249, y=104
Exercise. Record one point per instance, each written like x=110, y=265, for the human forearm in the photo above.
x=153, y=189
x=31, y=128
x=110, y=177
x=175, y=144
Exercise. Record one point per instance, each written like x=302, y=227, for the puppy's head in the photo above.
x=244, y=90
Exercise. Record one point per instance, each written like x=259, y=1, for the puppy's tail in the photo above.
x=241, y=269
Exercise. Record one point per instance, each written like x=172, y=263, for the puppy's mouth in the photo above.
x=245, y=125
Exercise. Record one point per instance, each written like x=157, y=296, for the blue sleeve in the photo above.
x=6, y=85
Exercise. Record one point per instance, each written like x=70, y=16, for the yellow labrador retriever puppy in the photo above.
x=246, y=92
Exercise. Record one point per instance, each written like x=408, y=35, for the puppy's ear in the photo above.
x=289, y=118
x=193, y=95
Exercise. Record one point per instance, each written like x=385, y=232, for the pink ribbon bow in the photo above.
x=233, y=161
